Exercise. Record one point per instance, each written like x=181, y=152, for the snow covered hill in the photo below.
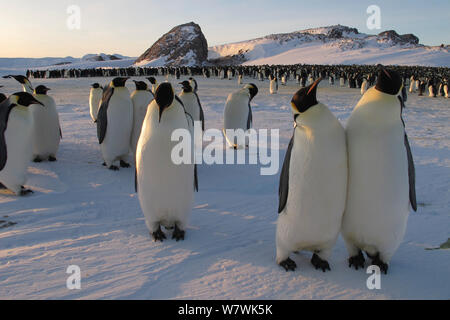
x=331, y=45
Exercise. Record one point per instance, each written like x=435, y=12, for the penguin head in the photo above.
x=95, y=85
x=41, y=89
x=164, y=96
x=305, y=98
x=252, y=89
x=24, y=99
x=193, y=81
x=186, y=86
x=152, y=80
x=389, y=82
x=21, y=79
x=140, y=85
x=118, y=82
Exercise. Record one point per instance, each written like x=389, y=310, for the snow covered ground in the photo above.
x=82, y=214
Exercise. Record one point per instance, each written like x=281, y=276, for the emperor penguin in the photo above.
x=364, y=86
x=193, y=84
x=140, y=98
x=47, y=130
x=313, y=183
x=154, y=83
x=16, y=140
x=240, y=79
x=381, y=185
x=165, y=189
x=24, y=81
x=192, y=104
x=238, y=111
x=445, y=87
x=95, y=96
x=114, y=123
x=273, y=85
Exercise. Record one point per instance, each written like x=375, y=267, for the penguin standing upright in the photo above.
x=273, y=88
x=364, y=86
x=154, y=83
x=165, y=189
x=47, y=130
x=445, y=88
x=16, y=131
x=140, y=98
x=381, y=185
x=95, y=96
x=24, y=81
x=114, y=123
x=238, y=112
x=192, y=104
x=313, y=183
x=239, y=79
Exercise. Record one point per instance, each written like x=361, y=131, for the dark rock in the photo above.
x=183, y=45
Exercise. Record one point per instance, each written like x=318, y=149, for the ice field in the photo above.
x=83, y=214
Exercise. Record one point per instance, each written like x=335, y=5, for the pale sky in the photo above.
x=129, y=27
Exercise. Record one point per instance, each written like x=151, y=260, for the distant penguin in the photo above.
x=381, y=186
x=154, y=83
x=24, y=81
x=95, y=96
x=193, y=84
x=341, y=81
x=114, y=123
x=273, y=85
x=229, y=74
x=192, y=104
x=16, y=140
x=47, y=129
x=313, y=183
x=165, y=189
x=240, y=79
x=364, y=86
x=140, y=98
x=421, y=87
x=431, y=89
x=283, y=80
x=238, y=112
x=445, y=88
x=412, y=84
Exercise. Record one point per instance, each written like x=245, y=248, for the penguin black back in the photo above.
x=140, y=85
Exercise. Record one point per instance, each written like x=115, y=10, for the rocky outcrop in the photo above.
x=184, y=45
x=399, y=39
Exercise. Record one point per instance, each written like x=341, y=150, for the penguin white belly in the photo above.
x=116, y=144
x=312, y=217
x=446, y=90
x=273, y=87
x=46, y=135
x=141, y=100
x=18, y=138
x=378, y=200
x=364, y=87
x=236, y=111
x=341, y=82
x=94, y=102
x=165, y=190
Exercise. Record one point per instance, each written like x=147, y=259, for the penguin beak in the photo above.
x=313, y=87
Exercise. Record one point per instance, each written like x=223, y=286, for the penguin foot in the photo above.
x=114, y=168
x=24, y=192
x=158, y=235
x=377, y=261
x=357, y=261
x=37, y=160
x=178, y=234
x=123, y=164
x=51, y=159
x=319, y=263
x=288, y=264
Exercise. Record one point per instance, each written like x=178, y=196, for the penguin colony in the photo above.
x=365, y=178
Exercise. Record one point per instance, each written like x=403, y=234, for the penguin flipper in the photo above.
x=195, y=178
x=60, y=132
x=250, y=117
x=202, y=115
x=283, y=189
x=102, y=120
x=411, y=175
x=5, y=109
